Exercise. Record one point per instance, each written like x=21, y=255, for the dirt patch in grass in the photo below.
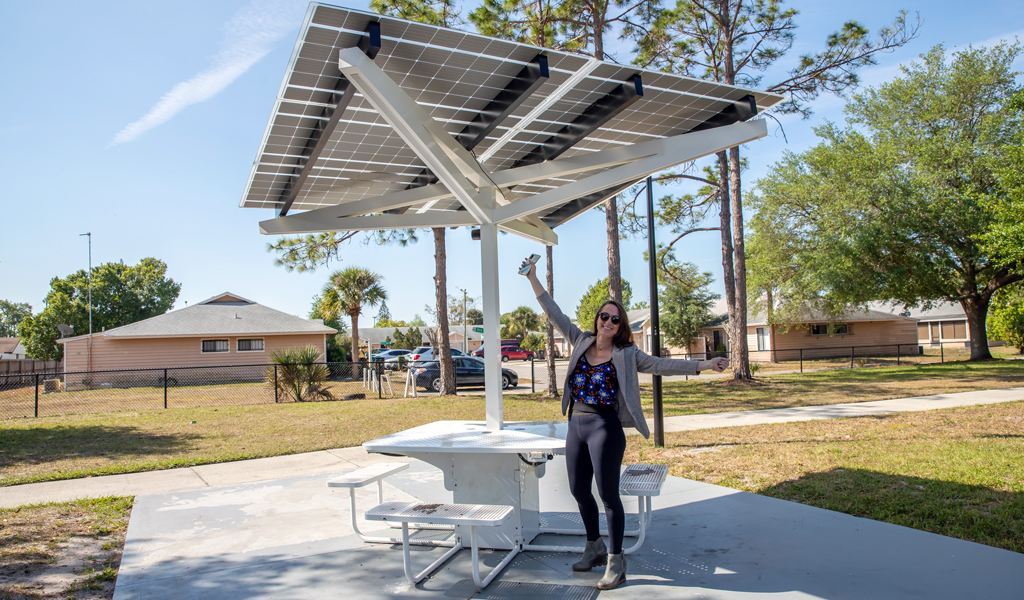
x=956, y=472
x=83, y=445
x=64, y=550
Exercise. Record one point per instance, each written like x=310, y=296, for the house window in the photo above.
x=762, y=339
x=250, y=345
x=843, y=329
x=216, y=346
x=922, y=332
x=935, y=333
x=954, y=330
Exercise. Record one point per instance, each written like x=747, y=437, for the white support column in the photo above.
x=492, y=326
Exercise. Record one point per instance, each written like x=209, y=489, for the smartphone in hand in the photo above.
x=530, y=262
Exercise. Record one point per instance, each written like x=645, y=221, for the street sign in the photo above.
x=478, y=329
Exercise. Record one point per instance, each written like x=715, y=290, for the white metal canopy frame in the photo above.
x=382, y=123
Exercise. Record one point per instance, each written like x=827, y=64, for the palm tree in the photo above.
x=519, y=322
x=345, y=293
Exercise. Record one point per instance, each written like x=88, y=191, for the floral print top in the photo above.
x=593, y=384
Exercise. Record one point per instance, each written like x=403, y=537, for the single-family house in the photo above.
x=221, y=331
x=869, y=330
x=944, y=323
x=11, y=348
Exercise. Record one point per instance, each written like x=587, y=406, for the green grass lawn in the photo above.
x=836, y=387
x=64, y=447
x=957, y=472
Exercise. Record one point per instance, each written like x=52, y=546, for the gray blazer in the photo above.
x=627, y=362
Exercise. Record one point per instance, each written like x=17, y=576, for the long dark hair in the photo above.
x=624, y=336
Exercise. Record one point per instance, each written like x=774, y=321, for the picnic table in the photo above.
x=499, y=467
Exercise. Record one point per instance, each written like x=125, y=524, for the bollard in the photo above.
x=165, y=388
x=37, y=395
x=533, y=380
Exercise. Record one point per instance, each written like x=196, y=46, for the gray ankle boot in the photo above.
x=595, y=554
x=615, y=573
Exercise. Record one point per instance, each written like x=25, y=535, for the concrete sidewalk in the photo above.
x=329, y=461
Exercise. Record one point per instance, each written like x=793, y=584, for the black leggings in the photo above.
x=594, y=447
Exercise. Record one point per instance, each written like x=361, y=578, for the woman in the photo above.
x=602, y=395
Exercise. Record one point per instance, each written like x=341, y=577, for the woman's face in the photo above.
x=606, y=317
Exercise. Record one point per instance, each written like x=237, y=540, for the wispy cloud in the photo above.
x=248, y=37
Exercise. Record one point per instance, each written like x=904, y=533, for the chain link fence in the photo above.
x=48, y=394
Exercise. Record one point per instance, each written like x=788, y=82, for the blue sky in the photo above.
x=139, y=122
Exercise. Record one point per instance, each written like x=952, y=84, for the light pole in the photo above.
x=465, y=317
x=89, y=273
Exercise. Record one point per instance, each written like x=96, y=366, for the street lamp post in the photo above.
x=89, y=273
x=652, y=257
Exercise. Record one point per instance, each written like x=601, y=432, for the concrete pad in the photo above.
x=290, y=538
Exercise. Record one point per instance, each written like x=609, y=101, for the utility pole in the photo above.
x=89, y=273
x=465, y=329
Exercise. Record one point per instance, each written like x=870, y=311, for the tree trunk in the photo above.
x=549, y=330
x=727, y=251
x=772, y=357
x=444, y=354
x=976, y=308
x=740, y=358
x=611, y=222
x=355, y=346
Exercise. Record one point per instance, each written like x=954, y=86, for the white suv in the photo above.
x=426, y=354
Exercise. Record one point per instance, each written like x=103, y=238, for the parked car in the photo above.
x=390, y=357
x=427, y=353
x=386, y=354
x=469, y=372
x=508, y=353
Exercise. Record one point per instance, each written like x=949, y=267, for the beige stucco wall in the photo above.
x=146, y=353
x=862, y=334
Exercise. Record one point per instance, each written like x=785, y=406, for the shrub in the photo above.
x=299, y=376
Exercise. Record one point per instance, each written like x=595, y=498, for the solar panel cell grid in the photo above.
x=453, y=75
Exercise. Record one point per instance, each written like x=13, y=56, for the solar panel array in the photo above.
x=453, y=75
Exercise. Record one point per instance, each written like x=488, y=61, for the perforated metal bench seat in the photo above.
x=363, y=477
x=642, y=480
x=473, y=515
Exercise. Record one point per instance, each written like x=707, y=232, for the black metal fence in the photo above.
x=46, y=394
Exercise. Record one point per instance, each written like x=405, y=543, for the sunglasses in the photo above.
x=605, y=316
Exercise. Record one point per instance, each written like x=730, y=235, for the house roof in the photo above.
x=938, y=312
x=224, y=314
x=854, y=316
x=8, y=344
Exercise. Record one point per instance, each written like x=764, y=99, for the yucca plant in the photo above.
x=298, y=374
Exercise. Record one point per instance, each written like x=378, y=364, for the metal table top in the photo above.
x=471, y=437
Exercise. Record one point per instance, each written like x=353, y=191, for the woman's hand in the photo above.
x=538, y=287
x=719, y=363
